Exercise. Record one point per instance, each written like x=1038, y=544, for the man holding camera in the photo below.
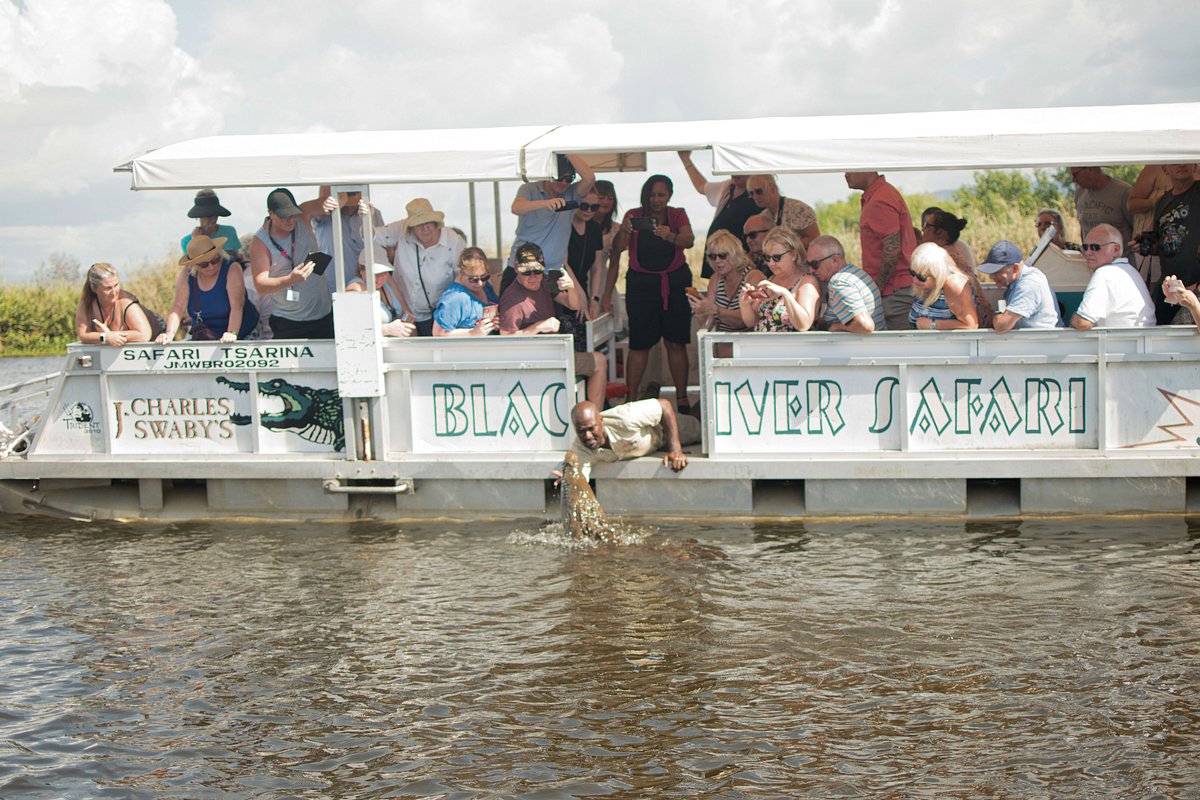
x=527, y=309
x=1175, y=238
x=540, y=207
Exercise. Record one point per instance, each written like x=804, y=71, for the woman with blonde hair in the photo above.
x=731, y=270
x=787, y=302
x=106, y=314
x=944, y=300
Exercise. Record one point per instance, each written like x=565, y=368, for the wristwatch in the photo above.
x=102, y=338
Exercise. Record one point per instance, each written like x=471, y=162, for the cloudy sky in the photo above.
x=85, y=86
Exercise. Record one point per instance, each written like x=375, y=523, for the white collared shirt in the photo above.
x=424, y=272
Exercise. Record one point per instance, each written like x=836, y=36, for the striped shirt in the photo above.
x=851, y=291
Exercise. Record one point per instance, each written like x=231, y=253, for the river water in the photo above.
x=883, y=659
x=1032, y=659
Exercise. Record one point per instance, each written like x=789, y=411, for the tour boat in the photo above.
x=965, y=423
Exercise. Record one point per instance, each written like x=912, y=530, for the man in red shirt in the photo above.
x=527, y=309
x=888, y=240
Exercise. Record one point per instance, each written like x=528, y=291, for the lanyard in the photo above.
x=291, y=257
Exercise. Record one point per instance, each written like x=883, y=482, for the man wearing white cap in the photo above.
x=1030, y=302
x=425, y=253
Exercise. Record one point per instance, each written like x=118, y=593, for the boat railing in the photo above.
x=795, y=396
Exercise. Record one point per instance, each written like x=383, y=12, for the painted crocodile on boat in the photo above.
x=312, y=414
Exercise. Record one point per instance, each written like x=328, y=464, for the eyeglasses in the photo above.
x=1097, y=247
x=589, y=206
x=757, y=191
x=927, y=226
x=718, y=256
x=476, y=279
x=918, y=276
x=215, y=262
x=753, y=234
x=817, y=262
x=775, y=258
x=531, y=271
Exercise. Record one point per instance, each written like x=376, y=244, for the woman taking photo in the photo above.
x=655, y=301
x=106, y=314
x=212, y=293
x=732, y=269
x=944, y=299
x=788, y=301
x=468, y=307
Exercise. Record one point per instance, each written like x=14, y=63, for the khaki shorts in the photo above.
x=585, y=364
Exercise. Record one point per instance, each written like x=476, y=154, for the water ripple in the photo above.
x=1033, y=659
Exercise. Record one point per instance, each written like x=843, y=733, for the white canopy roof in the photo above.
x=987, y=139
x=303, y=159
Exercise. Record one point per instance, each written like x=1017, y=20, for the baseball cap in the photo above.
x=282, y=203
x=1003, y=253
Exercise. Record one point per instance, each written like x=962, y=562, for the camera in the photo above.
x=644, y=223
x=570, y=205
x=1146, y=242
x=553, y=275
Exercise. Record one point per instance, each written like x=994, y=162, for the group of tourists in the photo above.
x=769, y=268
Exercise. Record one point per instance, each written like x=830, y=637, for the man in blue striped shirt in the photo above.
x=852, y=300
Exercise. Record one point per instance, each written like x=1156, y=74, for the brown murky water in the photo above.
x=895, y=659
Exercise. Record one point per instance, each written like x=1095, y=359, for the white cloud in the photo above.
x=85, y=86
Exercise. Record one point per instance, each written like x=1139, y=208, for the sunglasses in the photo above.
x=215, y=262
x=753, y=234
x=920, y=277
x=476, y=279
x=718, y=256
x=775, y=258
x=589, y=206
x=757, y=191
x=1095, y=247
x=817, y=263
x=531, y=271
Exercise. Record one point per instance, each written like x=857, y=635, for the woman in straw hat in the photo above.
x=425, y=254
x=210, y=290
x=106, y=314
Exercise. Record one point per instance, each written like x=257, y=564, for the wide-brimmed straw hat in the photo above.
x=201, y=249
x=206, y=204
x=421, y=211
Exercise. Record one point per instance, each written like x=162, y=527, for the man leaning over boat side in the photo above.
x=1029, y=300
x=852, y=300
x=888, y=239
x=1116, y=296
x=632, y=430
x=425, y=254
x=541, y=220
x=302, y=307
